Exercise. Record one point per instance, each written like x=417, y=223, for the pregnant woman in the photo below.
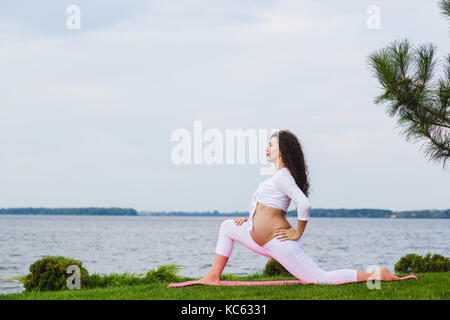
x=267, y=231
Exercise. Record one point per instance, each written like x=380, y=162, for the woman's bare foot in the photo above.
x=383, y=274
x=212, y=278
x=209, y=281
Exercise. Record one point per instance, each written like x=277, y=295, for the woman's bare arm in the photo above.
x=301, y=227
x=291, y=233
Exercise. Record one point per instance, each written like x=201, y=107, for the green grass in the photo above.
x=435, y=286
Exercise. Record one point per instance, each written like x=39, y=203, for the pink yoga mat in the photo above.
x=259, y=283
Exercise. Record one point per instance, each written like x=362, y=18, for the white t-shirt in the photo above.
x=277, y=192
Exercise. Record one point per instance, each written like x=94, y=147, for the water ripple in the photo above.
x=137, y=244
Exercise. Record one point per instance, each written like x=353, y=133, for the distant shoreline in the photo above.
x=322, y=213
x=315, y=213
x=91, y=211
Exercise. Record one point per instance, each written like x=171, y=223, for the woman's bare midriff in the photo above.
x=266, y=221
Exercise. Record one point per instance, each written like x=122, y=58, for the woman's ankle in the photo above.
x=212, y=276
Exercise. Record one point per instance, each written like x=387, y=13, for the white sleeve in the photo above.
x=287, y=185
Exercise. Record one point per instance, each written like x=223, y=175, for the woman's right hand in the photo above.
x=239, y=221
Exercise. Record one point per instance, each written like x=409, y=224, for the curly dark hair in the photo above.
x=292, y=156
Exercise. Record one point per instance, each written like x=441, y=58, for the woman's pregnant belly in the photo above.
x=266, y=221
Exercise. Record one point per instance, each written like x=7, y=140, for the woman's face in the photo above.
x=272, y=150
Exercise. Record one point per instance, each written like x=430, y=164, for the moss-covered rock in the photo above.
x=413, y=263
x=51, y=273
x=274, y=268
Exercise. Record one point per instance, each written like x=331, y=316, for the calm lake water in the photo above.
x=107, y=244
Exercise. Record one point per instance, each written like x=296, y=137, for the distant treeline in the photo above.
x=320, y=213
x=72, y=211
x=377, y=213
x=323, y=213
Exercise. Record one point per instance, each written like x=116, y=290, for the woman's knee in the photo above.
x=294, y=259
x=226, y=226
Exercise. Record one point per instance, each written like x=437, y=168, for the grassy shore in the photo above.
x=434, y=286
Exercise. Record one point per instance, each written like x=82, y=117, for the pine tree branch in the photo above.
x=445, y=7
x=421, y=106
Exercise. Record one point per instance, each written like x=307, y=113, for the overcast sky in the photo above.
x=87, y=115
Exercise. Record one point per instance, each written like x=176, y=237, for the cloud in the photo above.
x=49, y=17
x=89, y=116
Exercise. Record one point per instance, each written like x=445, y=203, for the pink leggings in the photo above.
x=289, y=253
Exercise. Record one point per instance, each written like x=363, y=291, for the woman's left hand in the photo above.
x=287, y=234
